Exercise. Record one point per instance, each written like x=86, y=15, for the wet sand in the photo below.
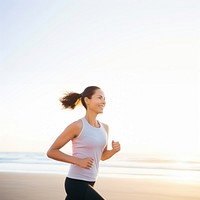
x=36, y=186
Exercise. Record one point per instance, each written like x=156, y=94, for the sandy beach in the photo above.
x=34, y=186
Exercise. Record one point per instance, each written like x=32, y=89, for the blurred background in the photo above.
x=143, y=54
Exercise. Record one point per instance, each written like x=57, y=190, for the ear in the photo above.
x=86, y=99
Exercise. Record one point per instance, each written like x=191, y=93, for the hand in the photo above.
x=85, y=162
x=115, y=146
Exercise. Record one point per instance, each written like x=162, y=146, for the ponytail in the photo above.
x=70, y=100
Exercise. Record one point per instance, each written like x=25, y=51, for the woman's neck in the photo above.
x=92, y=120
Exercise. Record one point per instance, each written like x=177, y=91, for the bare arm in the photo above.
x=72, y=131
x=115, y=148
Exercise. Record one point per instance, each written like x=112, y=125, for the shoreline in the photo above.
x=32, y=186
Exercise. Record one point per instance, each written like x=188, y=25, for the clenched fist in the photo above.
x=115, y=146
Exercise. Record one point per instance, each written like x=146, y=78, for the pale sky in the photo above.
x=143, y=54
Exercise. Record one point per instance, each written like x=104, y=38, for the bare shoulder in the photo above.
x=76, y=124
x=106, y=127
x=75, y=127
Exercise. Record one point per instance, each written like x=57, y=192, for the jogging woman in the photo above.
x=89, y=144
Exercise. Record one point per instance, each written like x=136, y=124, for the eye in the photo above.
x=102, y=98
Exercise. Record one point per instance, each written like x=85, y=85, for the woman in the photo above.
x=89, y=144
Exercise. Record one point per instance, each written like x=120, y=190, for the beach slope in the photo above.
x=34, y=186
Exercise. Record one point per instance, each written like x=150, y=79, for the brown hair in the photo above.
x=71, y=99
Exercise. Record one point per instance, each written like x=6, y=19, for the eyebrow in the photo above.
x=99, y=95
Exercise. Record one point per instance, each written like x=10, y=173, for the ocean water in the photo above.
x=121, y=165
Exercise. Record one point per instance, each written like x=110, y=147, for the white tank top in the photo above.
x=90, y=143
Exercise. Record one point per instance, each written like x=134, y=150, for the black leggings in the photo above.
x=80, y=190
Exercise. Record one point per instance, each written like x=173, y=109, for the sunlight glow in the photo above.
x=146, y=64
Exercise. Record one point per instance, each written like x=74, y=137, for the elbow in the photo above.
x=49, y=153
x=103, y=158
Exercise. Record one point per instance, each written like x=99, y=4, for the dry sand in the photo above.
x=35, y=186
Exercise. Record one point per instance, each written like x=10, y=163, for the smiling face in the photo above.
x=97, y=102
